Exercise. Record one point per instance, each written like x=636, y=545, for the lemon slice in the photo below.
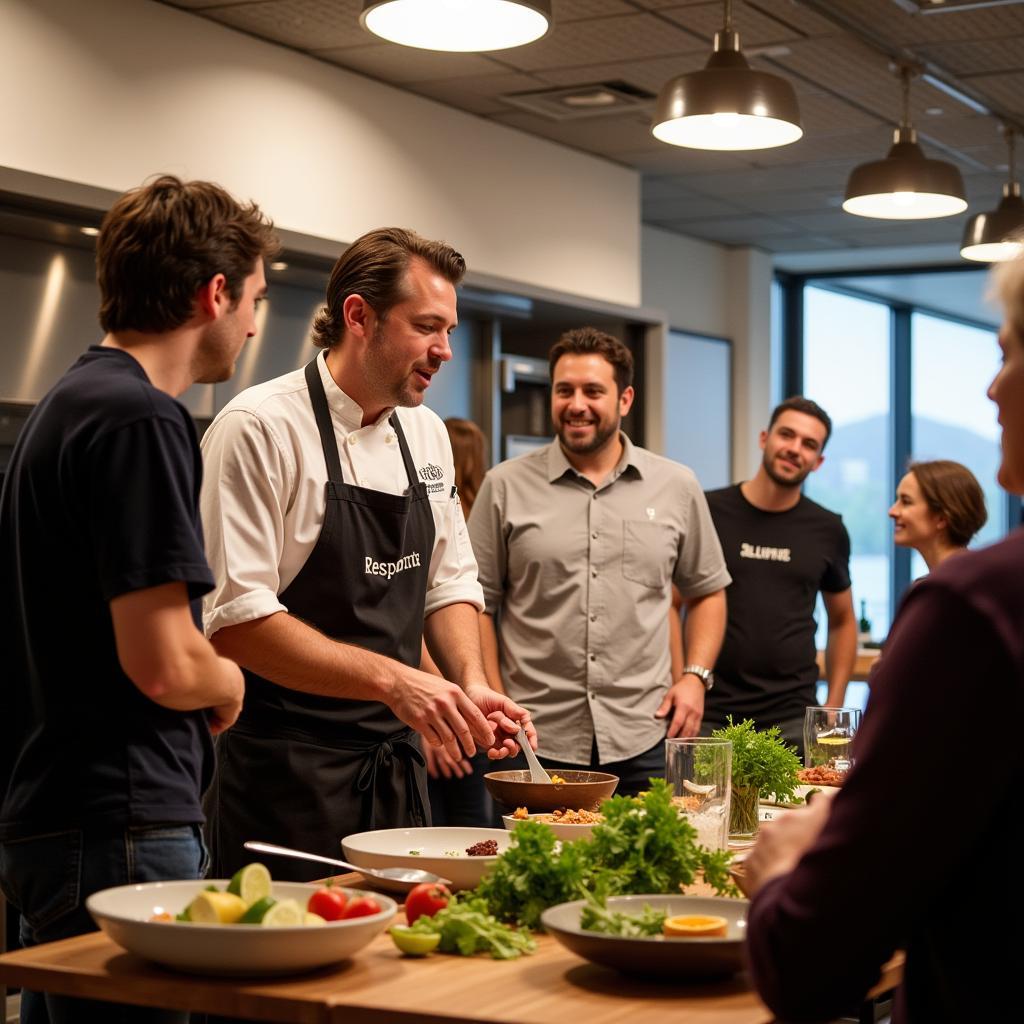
x=284, y=914
x=216, y=908
x=695, y=926
x=251, y=883
x=313, y=919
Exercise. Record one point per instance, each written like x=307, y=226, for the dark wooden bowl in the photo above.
x=581, y=790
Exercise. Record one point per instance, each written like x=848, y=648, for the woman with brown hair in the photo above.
x=458, y=795
x=939, y=507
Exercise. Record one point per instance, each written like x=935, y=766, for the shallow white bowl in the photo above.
x=561, y=830
x=237, y=949
x=441, y=850
x=653, y=955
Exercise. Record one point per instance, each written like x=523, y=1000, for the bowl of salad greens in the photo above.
x=627, y=933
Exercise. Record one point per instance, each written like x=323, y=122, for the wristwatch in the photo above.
x=705, y=675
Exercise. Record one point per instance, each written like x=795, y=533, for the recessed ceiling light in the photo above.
x=90, y=231
x=597, y=98
x=278, y=265
x=460, y=26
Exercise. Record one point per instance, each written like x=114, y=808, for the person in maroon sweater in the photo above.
x=910, y=853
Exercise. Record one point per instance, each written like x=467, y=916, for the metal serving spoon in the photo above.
x=395, y=879
x=537, y=773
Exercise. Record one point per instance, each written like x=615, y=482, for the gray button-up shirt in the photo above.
x=578, y=579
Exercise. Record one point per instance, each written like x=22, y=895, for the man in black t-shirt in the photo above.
x=111, y=691
x=781, y=549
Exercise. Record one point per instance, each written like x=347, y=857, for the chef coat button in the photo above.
x=352, y=439
x=390, y=438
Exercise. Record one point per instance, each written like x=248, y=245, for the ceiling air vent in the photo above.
x=594, y=99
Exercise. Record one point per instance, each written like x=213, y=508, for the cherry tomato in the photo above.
x=361, y=906
x=426, y=899
x=328, y=903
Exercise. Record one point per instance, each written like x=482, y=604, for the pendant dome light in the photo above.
x=460, y=26
x=906, y=185
x=727, y=105
x=999, y=234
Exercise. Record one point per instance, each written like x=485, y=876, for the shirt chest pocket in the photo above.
x=648, y=553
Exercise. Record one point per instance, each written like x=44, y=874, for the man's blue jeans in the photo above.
x=48, y=877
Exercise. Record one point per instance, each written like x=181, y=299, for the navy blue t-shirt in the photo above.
x=101, y=499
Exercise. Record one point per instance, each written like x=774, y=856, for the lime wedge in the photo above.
x=314, y=919
x=256, y=913
x=216, y=908
x=252, y=883
x=414, y=943
x=284, y=914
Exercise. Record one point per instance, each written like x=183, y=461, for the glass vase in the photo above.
x=743, y=812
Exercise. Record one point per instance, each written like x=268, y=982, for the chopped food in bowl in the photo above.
x=240, y=926
x=564, y=822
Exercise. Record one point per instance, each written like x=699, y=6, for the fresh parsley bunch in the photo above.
x=529, y=876
x=644, y=845
x=761, y=759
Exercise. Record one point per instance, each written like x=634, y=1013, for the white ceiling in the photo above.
x=837, y=54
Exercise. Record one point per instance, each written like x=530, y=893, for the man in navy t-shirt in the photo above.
x=111, y=691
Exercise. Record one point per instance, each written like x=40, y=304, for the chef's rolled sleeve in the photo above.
x=247, y=479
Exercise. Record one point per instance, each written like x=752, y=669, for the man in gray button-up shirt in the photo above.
x=578, y=545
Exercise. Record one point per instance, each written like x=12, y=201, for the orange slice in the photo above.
x=695, y=926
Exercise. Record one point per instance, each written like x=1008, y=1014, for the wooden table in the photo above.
x=379, y=985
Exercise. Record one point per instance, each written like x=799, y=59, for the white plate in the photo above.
x=561, y=830
x=441, y=850
x=236, y=949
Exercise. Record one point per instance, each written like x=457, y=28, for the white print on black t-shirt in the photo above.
x=764, y=554
x=390, y=568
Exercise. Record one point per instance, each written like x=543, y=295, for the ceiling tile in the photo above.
x=1007, y=90
x=967, y=57
x=601, y=40
x=574, y=10
x=403, y=64
x=745, y=229
x=303, y=24
x=687, y=208
x=649, y=74
x=754, y=28
x=903, y=28
x=607, y=136
x=478, y=94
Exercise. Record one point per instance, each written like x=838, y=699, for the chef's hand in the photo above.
x=440, y=765
x=781, y=843
x=506, y=716
x=223, y=716
x=685, y=701
x=439, y=711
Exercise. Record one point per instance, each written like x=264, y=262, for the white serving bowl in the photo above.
x=124, y=915
x=561, y=830
x=441, y=850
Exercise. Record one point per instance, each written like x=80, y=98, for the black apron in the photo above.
x=303, y=770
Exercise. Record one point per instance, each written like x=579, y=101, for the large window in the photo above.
x=847, y=372
x=901, y=362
